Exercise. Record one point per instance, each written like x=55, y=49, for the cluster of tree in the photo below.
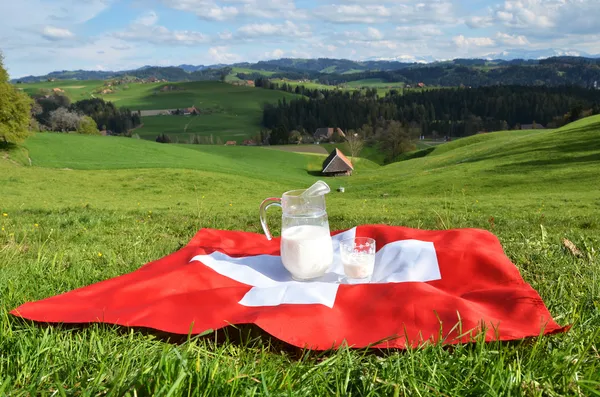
x=55, y=112
x=65, y=120
x=107, y=116
x=14, y=110
x=444, y=112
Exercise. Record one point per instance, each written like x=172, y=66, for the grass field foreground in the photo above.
x=91, y=208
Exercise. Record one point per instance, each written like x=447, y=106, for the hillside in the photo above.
x=516, y=162
x=91, y=208
x=227, y=111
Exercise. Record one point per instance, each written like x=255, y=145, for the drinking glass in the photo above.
x=358, y=258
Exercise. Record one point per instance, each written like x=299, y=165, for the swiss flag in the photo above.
x=428, y=286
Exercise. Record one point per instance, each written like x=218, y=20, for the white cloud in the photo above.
x=417, y=32
x=219, y=13
x=408, y=12
x=354, y=13
x=53, y=33
x=511, y=40
x=204, y=9
x=145, y=29
x=288, y=28
x=162, y=35
x=478, y=22
x=220, y=55
x=225, y=36
x=374, y=34
x=465, y=42
x=542, y=17
x=222, y=10
x=275, y=54
x=147, y=19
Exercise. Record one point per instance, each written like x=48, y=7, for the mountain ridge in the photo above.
x=557, y=70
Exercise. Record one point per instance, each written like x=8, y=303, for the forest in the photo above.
x=452, y=112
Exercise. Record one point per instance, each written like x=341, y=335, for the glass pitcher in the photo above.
x=306, y=244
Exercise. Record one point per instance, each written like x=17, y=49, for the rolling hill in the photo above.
x=91, y=208
x=227, y=111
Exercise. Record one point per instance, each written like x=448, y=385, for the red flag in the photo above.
x=436, y=286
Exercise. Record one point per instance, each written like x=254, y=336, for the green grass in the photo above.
x=236, y=70
x=202, y=94
x=374, y=83
x=231, y=112
x=76, y=90
x=135, y=201
x=368, y=152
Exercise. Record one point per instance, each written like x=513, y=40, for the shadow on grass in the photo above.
x=253, y=337
x=557, y=144
x=6, y=146
x=522, y=166
x=314, y=173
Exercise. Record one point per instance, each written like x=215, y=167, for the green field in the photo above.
x=76, y=90
x=91, y=208
x=236, y=70
x=374, y=83
x=231, y=112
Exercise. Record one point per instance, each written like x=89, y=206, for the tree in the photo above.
x=295, y=137
x=15, y=110
x=87, y=126
x=394, y=139
x=355, y=142
x=63, y=120
x=336, y=136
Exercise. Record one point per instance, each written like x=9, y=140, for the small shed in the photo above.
x=337, y=164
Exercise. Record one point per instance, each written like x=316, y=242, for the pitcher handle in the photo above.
x=264, y=206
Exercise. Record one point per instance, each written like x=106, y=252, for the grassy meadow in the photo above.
x=91, y=208
x=229, y=112
x=76, y=90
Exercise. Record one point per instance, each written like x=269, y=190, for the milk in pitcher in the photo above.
x=306, y=251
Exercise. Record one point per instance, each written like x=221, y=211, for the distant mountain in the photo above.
x=512, y=54
x=406, y=59
x=191, y=68
x=564, y=69
x=170, y=73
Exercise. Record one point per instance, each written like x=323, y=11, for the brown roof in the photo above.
x=337, y=162
x=328, y=132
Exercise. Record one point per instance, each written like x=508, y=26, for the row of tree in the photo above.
x=445, y=112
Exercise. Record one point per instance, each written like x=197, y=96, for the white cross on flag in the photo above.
x=423, y=285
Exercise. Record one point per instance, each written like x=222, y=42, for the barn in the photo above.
x=337, y=164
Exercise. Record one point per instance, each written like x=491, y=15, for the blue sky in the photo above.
x=40, y=36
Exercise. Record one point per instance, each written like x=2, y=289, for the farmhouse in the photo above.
x=336, y=164
x=191, y=110
x=327, y=133
x=534, y=126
